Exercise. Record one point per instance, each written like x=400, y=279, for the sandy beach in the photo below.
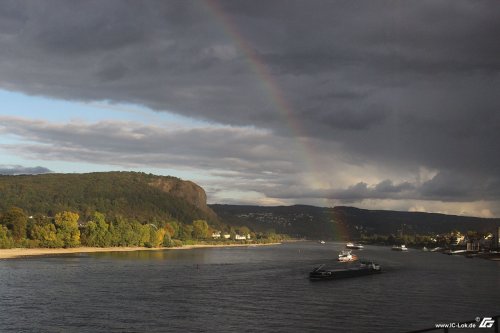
x=23, y=252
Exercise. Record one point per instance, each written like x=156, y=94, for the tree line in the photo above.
x=17, y=229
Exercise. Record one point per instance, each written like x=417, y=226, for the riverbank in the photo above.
x=24, y=252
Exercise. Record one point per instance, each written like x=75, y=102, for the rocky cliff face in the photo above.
x=187, y=190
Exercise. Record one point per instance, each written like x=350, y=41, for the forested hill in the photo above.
x=296, y=221
x=346, y=222
x=130, y=194
x=386, y=221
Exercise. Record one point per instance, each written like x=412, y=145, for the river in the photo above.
x=246, y=289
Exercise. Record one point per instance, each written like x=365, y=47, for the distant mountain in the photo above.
x=386, y=221
x=129, y=194
x=342, y=223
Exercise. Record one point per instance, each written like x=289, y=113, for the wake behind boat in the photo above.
x=364, y=268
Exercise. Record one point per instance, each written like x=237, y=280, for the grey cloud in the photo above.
x=444, y=187
x=112, y=72
x=239, y=159
x=131, y=144
x=450, y=186
x=387, y=186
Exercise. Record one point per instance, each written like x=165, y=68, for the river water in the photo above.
x=246, y=289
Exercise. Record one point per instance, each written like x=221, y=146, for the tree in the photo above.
x=142, y=233
x=200, y=229
x=67, y=229
x=39, y=220
x=186, y=232
x=97, y=231
x=6, y=241
x=125, y=233
x=167, y=240
x=16, y=220
x=174, y=228
x=46, y=235
x=170, y=229
x=157, y=237
x=232, y=232
x=244, y=231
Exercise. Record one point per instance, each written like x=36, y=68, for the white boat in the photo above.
x=353, y=246
x=399, y=248
x=346, y=256
x=322, y=242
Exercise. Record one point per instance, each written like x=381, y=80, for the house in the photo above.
x=216, y=234
x=242, y=237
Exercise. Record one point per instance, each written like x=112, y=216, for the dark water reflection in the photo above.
x=250, y=289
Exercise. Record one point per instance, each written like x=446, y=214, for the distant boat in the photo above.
x=364, y=268
x=322, y=242
x=399, y=248
x=346, y=256
x=353, y=246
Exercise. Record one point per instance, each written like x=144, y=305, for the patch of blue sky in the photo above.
x=54, y=110
x=16, y=104
x=11, y=139
x=11, y=159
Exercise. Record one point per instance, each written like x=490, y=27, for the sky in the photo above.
x=374, y=104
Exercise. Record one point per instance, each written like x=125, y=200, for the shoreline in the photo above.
x=17, y=253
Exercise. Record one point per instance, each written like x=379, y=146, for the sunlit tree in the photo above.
x=157, y=237
x=46, y=235
x=67, y=229
x=97, y=232
x=200, y=229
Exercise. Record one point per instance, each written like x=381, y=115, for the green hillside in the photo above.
x=133, y=195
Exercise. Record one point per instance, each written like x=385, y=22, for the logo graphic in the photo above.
x=487, y=322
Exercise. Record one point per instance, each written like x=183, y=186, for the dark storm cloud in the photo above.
x=443, y=187
x=392, y=84
x=22, y=170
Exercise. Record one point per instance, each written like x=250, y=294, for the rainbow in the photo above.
x=276, y=96
x=275, y=93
